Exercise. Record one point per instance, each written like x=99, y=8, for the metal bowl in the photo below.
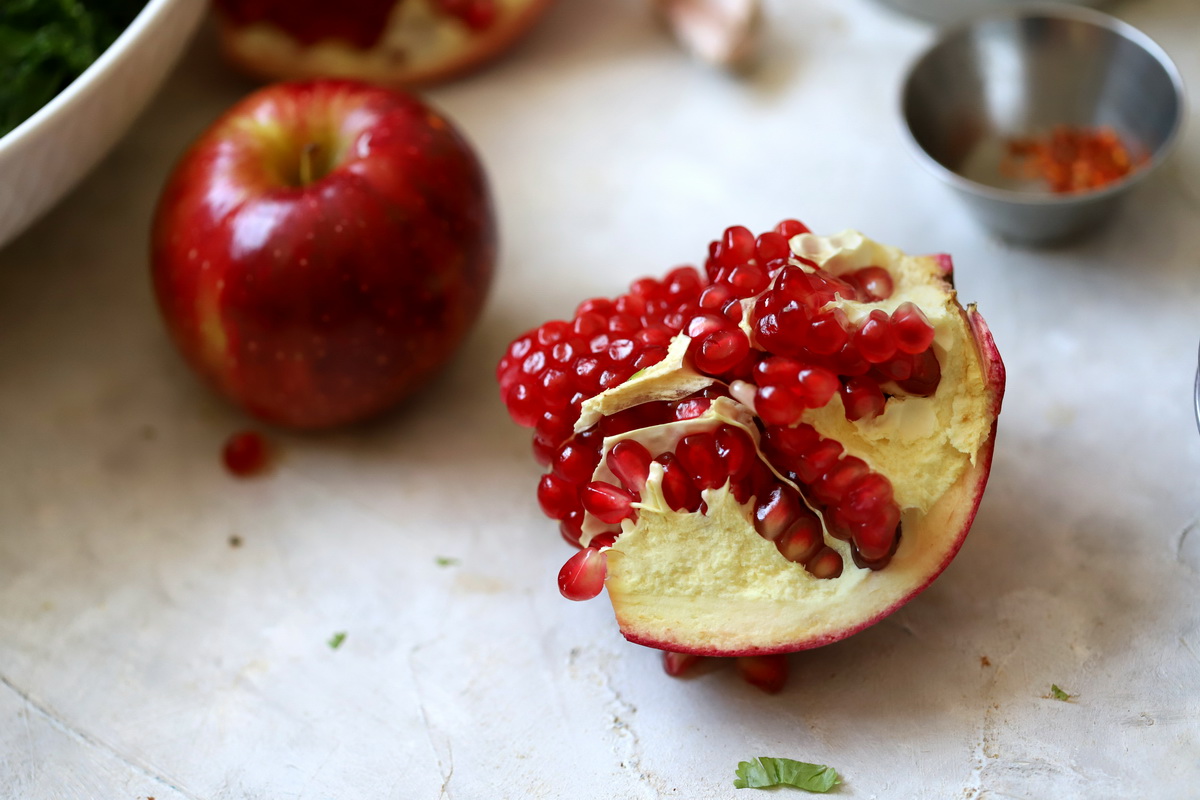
x=1019, y=74
x=944, y=12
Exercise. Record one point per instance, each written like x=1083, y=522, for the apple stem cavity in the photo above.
x=308, y=155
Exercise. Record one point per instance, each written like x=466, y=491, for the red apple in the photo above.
x=390, y=42
x=322, y=250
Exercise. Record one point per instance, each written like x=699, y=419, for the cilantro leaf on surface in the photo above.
x=336, y=640
x=764, y=773
x=446, y=561
x=1057, y=693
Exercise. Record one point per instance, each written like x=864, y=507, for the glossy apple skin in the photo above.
x=320, y=304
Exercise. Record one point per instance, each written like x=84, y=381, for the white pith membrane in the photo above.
x=420, y=43
x=706, y=582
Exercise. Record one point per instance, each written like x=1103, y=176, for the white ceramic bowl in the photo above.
x=46, y=155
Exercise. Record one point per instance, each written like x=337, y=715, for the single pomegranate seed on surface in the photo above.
x=826, y=564
x=245, y=454
x=862, y=398
x=768, y=673
x=582, y=577
x=676, y=664
x=630, y=462
x=610, y=504
x=913, y=332
x=874, y=338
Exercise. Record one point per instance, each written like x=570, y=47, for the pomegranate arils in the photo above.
x=776, y=512
x=816, y=386
x=801, y=349
x=697, y=453
x=862, y=398
x=737, y=247
x=735, y=448
x=791, y=227
x=678, y=489
x=803, y=539
x=768, y=673
x=630, y=462
x=771, y=246
x=874, y=338
x=245, y=454
x=582, y=577
x=872, y=283
x=826, y=564
x=828, y=333
x=676, y=664
x=911, y=328
x=778, y=405
x=609, y=504
x=720, y=351
x=557, y=496
x=926, y=375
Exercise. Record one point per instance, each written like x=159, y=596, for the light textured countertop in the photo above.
x=143, y=656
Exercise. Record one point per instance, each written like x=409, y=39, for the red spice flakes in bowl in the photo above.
x=1071, y=159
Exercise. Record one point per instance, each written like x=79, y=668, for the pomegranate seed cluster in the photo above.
x=764, y=324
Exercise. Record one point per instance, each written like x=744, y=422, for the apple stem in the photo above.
x=307, y=155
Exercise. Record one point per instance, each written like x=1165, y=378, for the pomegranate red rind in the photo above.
x=419, y=43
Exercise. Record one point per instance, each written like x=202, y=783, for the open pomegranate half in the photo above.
x=766, y=457
x=395, y=43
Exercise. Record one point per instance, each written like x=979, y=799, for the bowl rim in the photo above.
x=1052, y=11
x=39, y=119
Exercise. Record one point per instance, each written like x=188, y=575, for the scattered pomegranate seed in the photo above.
x=676, y=664
x=768, y=673
x=245, y=454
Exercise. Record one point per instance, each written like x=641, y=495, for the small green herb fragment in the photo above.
x=336, y=640
x=446, y=561
x=1058, y=694
x=765, y=773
